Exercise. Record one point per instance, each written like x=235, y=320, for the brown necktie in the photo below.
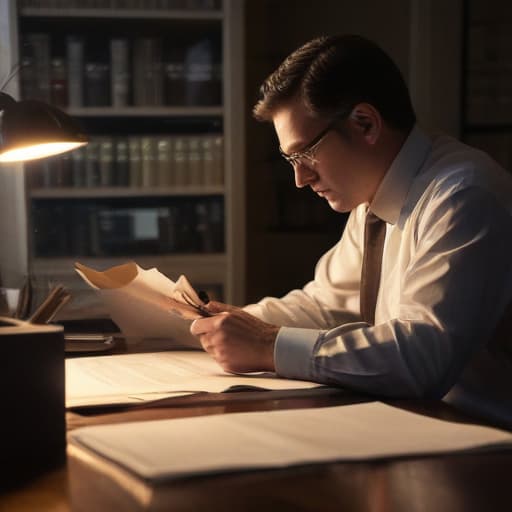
x=374, y=234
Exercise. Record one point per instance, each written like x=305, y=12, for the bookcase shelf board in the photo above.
x=160, y=111
x=149, y=14
x=72, y=192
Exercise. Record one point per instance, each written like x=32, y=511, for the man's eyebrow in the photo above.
x=294, y=147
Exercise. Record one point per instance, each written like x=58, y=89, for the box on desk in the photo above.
x=33, y=415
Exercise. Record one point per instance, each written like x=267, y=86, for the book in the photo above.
x=165, y=176
x=106, y=162
x=92, y=165
x=148, y=153
x=35, y=71
x=180, y=161
x=195, y=162
x=78, y=169
x=122, y=162
x=97, y=84
x=135, y=162
x=75, y=57
x=147, y=70
x=119, y=72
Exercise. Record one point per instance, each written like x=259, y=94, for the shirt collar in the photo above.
x=393, y=189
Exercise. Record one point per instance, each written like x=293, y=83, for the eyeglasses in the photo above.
x=308, y=153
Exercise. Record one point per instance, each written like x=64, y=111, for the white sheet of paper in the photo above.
x=167, y=449
x=137, y=301
x=134, y=377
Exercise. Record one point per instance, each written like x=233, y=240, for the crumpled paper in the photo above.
x=145, y=304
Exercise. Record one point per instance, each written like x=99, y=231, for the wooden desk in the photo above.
x=452, y=483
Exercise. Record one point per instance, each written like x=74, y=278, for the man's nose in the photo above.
x=304, y=175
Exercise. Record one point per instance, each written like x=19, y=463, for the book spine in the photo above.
x=78, y=167
x=122, y=163
x=218, y=160
x=195, y=162
x=97, y=84
x=208, y=160
x=92, y=168
x=135, y=161
x=36, y=48
x=180, y=161
x=147, y=69
x=106, y=162
x=75, y=56
x=149, y=162
x=120, y=76
x=164, y=162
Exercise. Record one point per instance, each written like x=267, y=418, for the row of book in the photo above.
x=489, y=93
x=120, y=72
x=135, y=161
x=123, y=4
x=64, y=229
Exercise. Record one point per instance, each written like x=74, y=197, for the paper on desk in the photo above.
x=145, y=304
x=134, y=377
x=167, y=449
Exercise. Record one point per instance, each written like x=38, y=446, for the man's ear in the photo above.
x=366, y=120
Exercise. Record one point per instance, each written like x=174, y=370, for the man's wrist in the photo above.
x=270, y=342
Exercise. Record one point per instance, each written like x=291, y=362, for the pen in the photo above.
x=200, y=308
x=50, y=306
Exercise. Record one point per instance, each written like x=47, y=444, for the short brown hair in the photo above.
x=332, y=74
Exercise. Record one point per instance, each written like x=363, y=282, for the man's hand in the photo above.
x=238, y=341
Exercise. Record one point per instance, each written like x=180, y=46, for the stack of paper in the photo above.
x=141, y=457
x=132, y=378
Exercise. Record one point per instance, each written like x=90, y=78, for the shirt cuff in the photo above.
x=293, y=352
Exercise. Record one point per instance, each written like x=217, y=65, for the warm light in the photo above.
x=31, y=129
x=38, y=151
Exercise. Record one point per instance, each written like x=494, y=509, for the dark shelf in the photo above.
x=487, y=127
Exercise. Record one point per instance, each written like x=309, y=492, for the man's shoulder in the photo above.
x=453, y=165
x=450, y=154
x=454, y=171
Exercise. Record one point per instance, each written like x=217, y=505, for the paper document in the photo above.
x=145, y=304
x=163, y=450
x=134, y=377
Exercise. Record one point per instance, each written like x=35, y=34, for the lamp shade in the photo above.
x=32, y=129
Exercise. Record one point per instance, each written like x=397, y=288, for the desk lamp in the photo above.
x=32, y=356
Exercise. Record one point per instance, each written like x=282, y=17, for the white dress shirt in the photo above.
x=446, y=281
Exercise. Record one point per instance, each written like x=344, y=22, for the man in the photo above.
x=420, y=322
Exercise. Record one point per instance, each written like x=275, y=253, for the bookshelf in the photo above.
x=486, y=120
x=157, y=85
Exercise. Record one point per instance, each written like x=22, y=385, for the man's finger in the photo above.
x=198, y=327
x=218, y=307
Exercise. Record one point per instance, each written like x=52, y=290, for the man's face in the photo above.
x=340, y=166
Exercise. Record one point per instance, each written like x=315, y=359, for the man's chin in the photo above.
x=338, y=206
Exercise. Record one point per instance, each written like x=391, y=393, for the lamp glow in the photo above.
x=38, y=151
x=32, y=129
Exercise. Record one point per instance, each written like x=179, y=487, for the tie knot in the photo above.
x=371, y=217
